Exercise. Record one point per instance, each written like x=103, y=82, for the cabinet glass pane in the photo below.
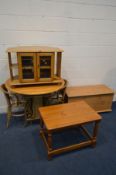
x=28, y=74
x=45, y=73
x=27, y=60
x=45, y=60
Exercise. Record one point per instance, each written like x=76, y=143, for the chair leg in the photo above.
x=9, y=115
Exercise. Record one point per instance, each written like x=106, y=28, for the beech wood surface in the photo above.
x=34, y=49
x=99, y=97
x=34, y=89
x=69, y=114
x=88, y=90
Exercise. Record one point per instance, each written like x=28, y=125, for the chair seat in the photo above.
x=15, y=104
x=18, y=110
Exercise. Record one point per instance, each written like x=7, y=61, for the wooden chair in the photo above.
x=15, y=105
x=58, y=97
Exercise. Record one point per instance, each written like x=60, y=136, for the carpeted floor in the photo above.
x=22, y=151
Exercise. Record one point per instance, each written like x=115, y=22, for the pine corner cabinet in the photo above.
x=34, y=64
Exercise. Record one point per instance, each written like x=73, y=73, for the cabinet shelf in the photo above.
x=27, y=67
x=45, y=67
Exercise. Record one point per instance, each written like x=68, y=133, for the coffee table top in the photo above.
x=67, y=115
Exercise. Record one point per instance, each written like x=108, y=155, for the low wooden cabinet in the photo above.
x=35, y=64
x=99, y=97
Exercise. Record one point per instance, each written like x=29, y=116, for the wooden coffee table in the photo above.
x=58, y=117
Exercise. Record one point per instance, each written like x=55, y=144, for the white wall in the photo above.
x=85, y=29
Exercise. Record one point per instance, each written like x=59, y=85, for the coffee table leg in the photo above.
x=49, y=140
x=41, y=123
x=95, y=131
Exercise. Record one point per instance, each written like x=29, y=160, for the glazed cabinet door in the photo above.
x=27, y=67
x=45, y=66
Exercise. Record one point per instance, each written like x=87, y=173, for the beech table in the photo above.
x=69, y=115
x=33, y=95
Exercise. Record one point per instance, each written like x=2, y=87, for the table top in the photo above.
x=34, y=89
x=67, y=115
x=88, y=90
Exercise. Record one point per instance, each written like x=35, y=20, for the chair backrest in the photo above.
x=6, y=94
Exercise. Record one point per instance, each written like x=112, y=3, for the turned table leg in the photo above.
x=49, y=140
x=95, y=132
